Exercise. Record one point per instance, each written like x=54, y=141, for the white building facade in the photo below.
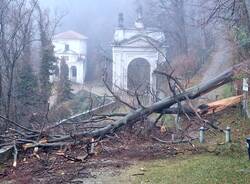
x=136, y=54
x=71, y=47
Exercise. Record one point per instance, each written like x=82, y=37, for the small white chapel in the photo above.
x=137, y=51
x=72, y=48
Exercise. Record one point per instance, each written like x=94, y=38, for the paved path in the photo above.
x=221, y=60
x=95, y=88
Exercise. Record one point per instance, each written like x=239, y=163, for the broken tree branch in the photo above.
x=18, y=125
x=160, y=106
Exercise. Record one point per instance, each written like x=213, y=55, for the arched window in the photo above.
x=56, y=71
x=73, y=71
x=66, y=47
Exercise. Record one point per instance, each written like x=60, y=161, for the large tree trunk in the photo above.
x=31, y=138
x=158, y=107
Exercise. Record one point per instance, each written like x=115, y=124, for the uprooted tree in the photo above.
x=95, y=129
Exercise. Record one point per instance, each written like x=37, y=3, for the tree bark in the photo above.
x=158, y=107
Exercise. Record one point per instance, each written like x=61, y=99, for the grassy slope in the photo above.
x=227, y=164
x=198, y=169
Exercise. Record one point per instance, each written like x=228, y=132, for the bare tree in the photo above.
x=170, y=16
x=15, y=22
x=234, y=11
x=235, y=14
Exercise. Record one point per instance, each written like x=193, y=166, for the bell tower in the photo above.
x=139, y=18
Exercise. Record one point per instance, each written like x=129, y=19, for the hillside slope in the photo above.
x=221, y=60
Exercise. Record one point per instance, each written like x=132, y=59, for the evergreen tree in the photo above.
x=26, y=92
x=48, y=59
x=27, y=86
x=47, y=68
x=64, y=91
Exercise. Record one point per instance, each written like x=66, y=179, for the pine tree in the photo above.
x=64, y=91
x=27, y=86
x=26, y=92
x=47, y=68
x=48, y=59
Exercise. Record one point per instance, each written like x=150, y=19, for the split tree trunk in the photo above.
x=160, y=106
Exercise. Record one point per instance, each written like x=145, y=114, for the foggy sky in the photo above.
x=95, y=19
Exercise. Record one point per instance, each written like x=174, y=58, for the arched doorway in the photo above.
x=138, y=75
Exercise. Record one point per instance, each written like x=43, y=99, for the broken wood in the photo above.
x=220, y=105
x=158, y=107
x=15, y=153
x=83, y=115
x=17, y=125
x=138, y=174
x=28, y=138
x=209, y=108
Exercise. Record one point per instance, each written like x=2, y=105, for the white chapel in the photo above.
x=137, y=51
x=72, y=47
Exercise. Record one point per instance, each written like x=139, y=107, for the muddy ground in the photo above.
x=112, y=156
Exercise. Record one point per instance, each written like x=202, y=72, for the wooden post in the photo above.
x=202, y=136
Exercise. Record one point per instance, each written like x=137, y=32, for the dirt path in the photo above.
x=221, y=60
x=96, y=88
x=112, y=156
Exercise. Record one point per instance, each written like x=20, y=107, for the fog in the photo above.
x=95, y=19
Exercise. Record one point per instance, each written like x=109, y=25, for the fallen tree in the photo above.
x=28, y=138
x=163, y=105
x=209, y=108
